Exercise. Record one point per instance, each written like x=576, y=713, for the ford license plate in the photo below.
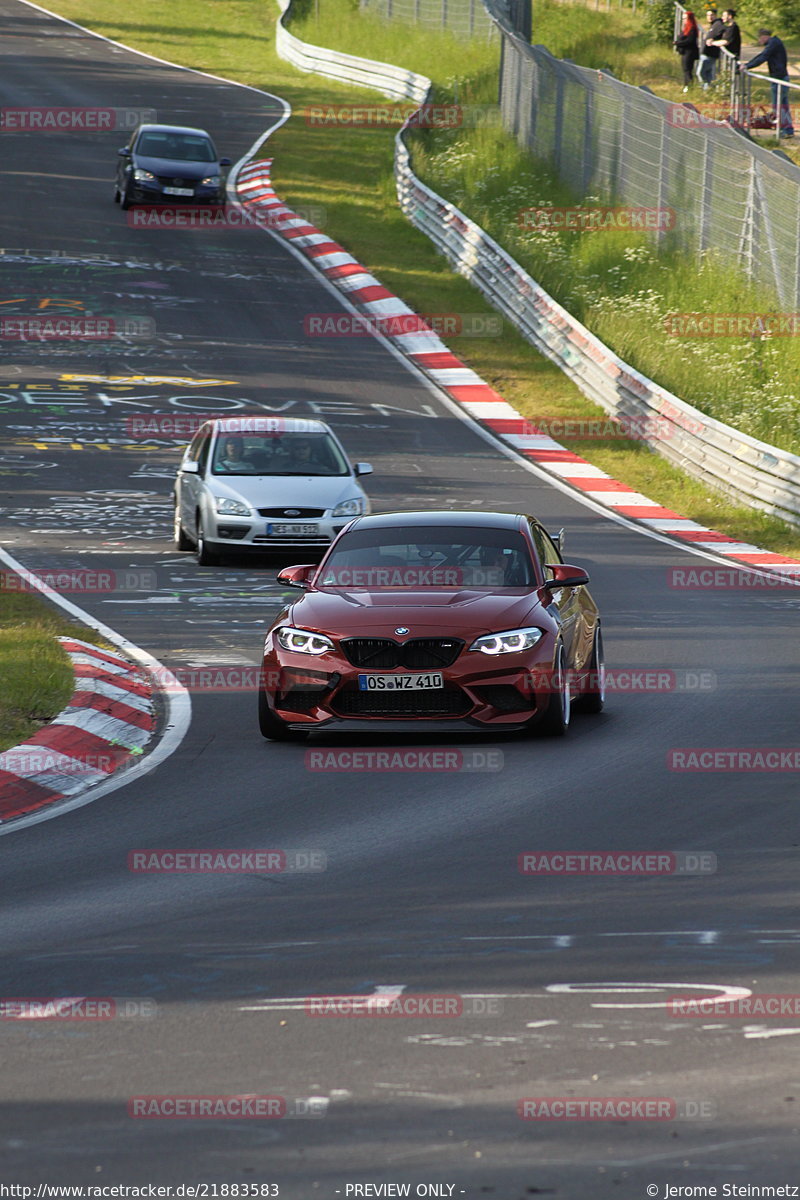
x=281, y=530
x=168, y=191
x=401, y=683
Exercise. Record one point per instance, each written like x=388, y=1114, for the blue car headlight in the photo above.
x=142, y=176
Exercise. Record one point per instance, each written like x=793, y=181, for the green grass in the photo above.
x=349, y=173
x=36, y=672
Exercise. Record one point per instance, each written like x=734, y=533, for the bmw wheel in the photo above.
x=593, y=698
x=555, y=721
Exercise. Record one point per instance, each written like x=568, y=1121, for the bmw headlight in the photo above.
x=301, y=641
x=143, y=176
x=233, y=508
x=511, y=642
x=349, y=508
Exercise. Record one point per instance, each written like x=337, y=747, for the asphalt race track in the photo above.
x=421, y=889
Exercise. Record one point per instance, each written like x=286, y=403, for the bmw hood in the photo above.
x=449, y=613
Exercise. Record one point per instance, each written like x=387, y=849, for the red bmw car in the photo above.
x=433, y=621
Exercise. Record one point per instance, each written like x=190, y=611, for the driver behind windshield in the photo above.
x=231, y=458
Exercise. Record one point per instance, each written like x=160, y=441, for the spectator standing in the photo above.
x=773, y=53
x=709, y=53
x=731, y=39
x=687, y=45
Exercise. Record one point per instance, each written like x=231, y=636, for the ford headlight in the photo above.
x=143, y=176
x=211, y=180
x=301, y=641
x=349, y=508
x=233, y=508
x=513, y=641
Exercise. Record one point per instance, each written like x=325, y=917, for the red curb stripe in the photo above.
x=475, y=393
x=297, y=231
x=372, y=291
x=764, y=556
x=18, y=796
x=124, y=682
x=543, y=457
x=79, y=743
x=706, y=535
x=321, y=248
x=96, y=652
x=436, y=360
x=344, y=269
x=588, y=483
x=112, y=708
x=654, y=513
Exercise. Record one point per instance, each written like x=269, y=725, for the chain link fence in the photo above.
x=467, y=18
x=619, y=141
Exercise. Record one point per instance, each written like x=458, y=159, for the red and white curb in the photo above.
x=426, y=351
x=107, y=723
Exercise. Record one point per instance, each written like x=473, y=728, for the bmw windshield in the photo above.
x=433, y=557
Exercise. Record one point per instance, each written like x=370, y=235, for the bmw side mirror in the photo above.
x=362, y=469
x=565, y=576
x=298, y=577
x=190, y=468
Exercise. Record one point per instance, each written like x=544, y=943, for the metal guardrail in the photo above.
x=391, y=81
x=755, y=473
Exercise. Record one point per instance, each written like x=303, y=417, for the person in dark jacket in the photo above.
x=709, y=52
x=686, y=43
x=773, y=53
x=731, y=39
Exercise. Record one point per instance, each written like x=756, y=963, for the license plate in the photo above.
x=282, y=530
x=401, y=683
x=178, y=191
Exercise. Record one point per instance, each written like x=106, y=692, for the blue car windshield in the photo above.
x=181, y=147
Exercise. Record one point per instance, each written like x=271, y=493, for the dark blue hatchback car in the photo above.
x=172, y=164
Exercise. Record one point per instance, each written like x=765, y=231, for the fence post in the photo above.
x=705, y=195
